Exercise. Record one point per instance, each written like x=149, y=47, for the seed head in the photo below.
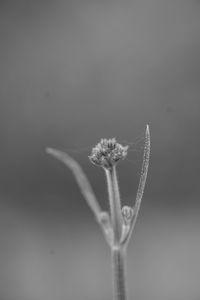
x=107, y=153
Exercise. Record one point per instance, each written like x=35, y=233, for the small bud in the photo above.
x=107, y=153
x=127, y=214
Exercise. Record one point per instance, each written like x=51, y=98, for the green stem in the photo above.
x=119, y=280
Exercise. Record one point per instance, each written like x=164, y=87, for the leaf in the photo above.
x=141, y=186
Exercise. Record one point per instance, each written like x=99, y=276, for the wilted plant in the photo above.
x=118, y=224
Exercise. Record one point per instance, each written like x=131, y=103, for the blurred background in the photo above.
x=72, y=72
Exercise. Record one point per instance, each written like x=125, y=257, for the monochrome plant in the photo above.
x=117, y=224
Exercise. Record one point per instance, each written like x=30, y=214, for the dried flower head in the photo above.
x=107, y=153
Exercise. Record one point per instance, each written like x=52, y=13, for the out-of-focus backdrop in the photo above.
x=72, y=72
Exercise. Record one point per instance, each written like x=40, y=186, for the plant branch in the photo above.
x=81, y=179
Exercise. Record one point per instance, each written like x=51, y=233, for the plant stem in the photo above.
x=115, y=203
x=119, y=280
x=117, y=251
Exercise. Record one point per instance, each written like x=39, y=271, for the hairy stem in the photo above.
x=119, y=273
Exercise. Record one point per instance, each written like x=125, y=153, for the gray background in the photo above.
x=72, y=72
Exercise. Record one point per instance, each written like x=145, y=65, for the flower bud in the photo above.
x=127, y=214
